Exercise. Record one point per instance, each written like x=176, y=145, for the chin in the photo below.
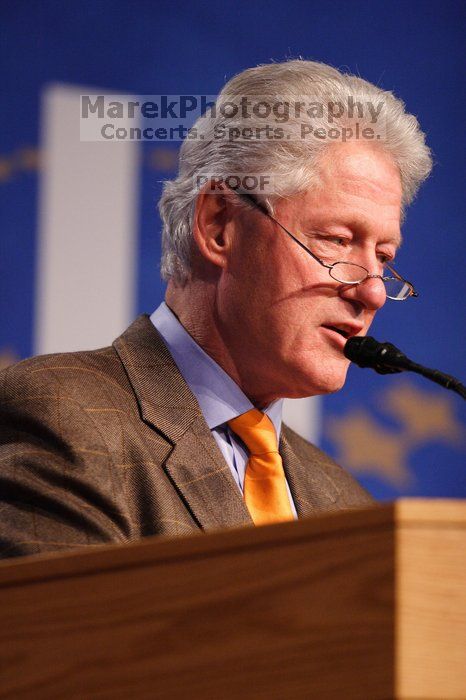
x=327, y=388
x=312, y=372
x=316, y=385
x=327, y=382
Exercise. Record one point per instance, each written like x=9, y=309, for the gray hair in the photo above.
x=292, y=160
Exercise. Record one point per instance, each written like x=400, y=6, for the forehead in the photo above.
x=358, y=169
x=358, y=186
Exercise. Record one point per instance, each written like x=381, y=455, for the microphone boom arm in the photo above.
x=385, y=358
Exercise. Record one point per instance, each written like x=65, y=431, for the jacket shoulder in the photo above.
x=60, y=416
x=83, y=373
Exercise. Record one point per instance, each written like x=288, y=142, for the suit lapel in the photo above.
x=195, y=465
x=199, y=471
x=311, y=487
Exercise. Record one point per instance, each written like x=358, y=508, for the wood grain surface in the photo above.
x=431, y=599
x=299, y=610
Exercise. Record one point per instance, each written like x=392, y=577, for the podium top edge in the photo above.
x=430, y=510
x=155, y=550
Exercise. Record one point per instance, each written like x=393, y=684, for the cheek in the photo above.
x=256, y=273
x=267, y=292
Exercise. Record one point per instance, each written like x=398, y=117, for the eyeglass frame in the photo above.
x=412, y=292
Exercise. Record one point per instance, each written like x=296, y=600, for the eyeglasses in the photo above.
x=396, y=287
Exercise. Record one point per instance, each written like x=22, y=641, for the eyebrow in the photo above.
x=397, y=240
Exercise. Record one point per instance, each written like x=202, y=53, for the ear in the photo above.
x=212, y=226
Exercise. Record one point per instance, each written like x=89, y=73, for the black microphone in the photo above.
x=385, y=358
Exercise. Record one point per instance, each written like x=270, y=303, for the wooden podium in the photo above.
x=362, y=604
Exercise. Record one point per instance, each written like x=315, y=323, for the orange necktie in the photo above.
x=265, y=491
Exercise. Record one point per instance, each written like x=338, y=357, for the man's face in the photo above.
x=276, y=305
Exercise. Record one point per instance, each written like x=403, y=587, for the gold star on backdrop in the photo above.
x=163, y=159
x=7, y=358
x=5, y=169
x=364, y=446
x=24, y=160
x=425, y=415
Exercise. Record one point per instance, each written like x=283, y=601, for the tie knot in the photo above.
x=256, y=430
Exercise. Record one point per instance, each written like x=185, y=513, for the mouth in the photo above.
x=343, y=329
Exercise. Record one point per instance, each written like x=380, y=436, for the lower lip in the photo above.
x=338, y=339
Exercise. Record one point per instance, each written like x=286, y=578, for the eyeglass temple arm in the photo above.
x=249, y=198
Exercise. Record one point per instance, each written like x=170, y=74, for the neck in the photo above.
x=194, y=305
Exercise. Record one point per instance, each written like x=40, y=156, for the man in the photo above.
x=176, y=427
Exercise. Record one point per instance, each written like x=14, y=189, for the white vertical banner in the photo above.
x=88, y=211
x=303, y=416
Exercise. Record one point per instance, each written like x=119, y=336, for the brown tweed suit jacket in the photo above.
x=110, y=446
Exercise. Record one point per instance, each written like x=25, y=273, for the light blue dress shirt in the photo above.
x=219, y=397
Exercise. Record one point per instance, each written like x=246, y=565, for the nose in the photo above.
x=371, y=293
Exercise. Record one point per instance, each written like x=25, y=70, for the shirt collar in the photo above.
x=219, y=397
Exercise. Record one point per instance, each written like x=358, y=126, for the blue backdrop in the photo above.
x=399, y=435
